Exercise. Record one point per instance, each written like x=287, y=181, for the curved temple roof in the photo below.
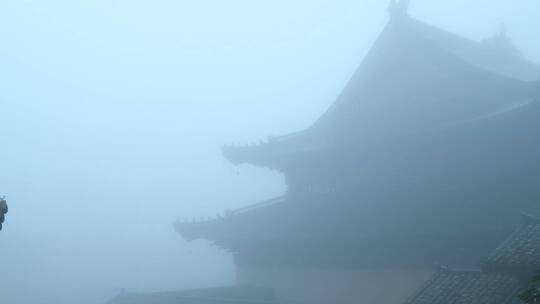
x=415, y=79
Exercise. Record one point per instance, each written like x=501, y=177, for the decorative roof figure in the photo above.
x=502, y=30
x=399, y=8
x=501, y=39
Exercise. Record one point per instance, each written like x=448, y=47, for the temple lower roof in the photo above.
x=332, y=229
x=218, y=295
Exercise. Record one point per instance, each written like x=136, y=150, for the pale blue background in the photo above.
x=112, y=113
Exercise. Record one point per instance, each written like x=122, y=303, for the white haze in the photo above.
x=113, y=113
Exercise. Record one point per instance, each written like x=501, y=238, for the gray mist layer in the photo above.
x=113, y=113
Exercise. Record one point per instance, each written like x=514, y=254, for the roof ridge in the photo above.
x=459, y=270
x=527, y=219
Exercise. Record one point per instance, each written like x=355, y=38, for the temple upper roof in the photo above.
x=415, y=79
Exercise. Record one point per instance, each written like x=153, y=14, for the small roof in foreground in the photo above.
x=520, y=253
x=467, y=287
x=229, y=294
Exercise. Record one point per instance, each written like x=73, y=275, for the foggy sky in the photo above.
x=113, y=113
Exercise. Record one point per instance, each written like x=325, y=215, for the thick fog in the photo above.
x=113, y=114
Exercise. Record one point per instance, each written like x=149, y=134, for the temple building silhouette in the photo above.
x=427, y=158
